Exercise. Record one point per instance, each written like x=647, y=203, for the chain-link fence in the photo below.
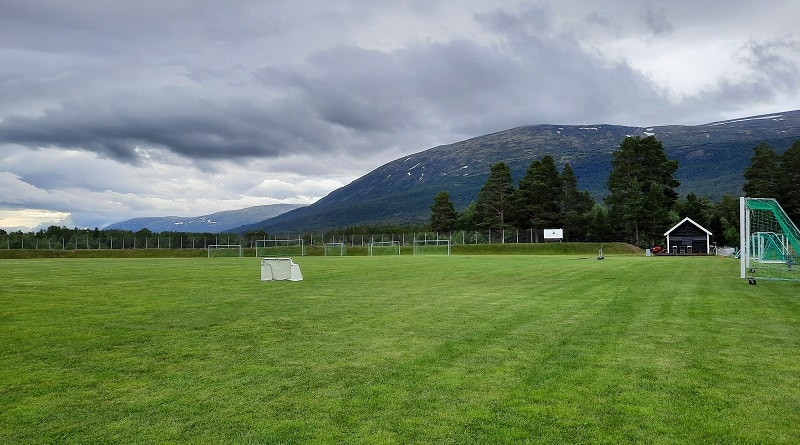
x=105, y=241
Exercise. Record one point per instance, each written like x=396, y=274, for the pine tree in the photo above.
x=696, y=208
x=642, y=188
x=443, y=213
x=575, y=205
x=724, y=221
x=789, y=181
x=493, y=206
x=761, y=177
x=537, y=201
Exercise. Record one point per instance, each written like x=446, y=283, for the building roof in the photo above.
x=683, y=221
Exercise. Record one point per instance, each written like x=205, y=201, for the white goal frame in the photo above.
x=341, y=246
x=394, y=245
x=272, y=250
x=273, y=269
x=425, y=243
x=213, y=247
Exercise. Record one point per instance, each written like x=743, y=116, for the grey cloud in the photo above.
x=657, y=22
x=204, y=129
x=459, y=86
x=777, y=60
x=18, y=193
x=465, y=86
x=87, y=26
x=530, y=21
x=775, y=70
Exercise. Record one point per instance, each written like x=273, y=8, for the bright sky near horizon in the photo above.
x=115, y=109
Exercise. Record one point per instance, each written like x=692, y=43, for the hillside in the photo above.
x=211, y=223
x=712, y=158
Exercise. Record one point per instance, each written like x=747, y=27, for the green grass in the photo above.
x=460, y=349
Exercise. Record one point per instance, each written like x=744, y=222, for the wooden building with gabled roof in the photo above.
x=688, y=237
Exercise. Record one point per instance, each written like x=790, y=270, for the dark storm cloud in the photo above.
x=196, y=128
x=460, y=85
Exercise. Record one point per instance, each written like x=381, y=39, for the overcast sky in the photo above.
x=116, y=109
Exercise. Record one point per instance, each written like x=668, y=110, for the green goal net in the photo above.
x=769, y=241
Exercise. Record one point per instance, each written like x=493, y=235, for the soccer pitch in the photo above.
x=400, y=349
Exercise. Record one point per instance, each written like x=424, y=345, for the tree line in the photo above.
x=642, y=203
x=55, y=237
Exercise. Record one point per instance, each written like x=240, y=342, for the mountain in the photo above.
x=213, y=223
x=712, y=158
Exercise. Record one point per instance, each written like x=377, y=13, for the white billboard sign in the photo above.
x=553, y=234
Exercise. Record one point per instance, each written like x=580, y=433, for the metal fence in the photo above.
x=81, y=242
x=15, y=241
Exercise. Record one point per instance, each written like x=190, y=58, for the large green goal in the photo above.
x=769, y=241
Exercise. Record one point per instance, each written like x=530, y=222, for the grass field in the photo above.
x=461, y=349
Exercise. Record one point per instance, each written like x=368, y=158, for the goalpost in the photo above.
x=225, y=250
x=280, y=247
x=335, y=249
x=432, y=247
x=769, y=242
x=384, y=248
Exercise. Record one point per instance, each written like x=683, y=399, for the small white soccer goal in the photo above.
x=224, y=250
x=335, y=249
x=377, y=248
x=432, y=247
x=274, y=269
x=280, y=247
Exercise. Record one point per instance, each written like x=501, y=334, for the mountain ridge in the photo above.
x=217, y=222
x=712, y=158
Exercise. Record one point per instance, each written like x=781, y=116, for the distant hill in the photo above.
x=213, y=223
x=712, y=158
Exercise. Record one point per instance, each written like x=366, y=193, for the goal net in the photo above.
x=280, y=247
x=769, y=243
x=378, y=248
x=335, y=249
x=224, y=250
x=432, y=247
